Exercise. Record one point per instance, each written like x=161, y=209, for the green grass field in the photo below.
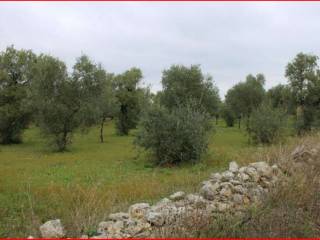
x=82, y=186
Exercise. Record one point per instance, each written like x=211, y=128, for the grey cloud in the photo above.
x=229, y=40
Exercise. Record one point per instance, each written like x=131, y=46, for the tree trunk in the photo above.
x=300, y=119
x=239, y=122
x=248, y=121
x=62, y=142
x=101, y=130
x=300, y=111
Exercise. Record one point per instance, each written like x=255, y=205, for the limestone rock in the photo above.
x=209, y=190
x=226, y=192
x=52, y=229
x=226, y=184
x=262, y=168
x=164, y=201
x=211, y=208
x=215, y=177
x=256, y=194
x=116, y=227
x=134, y=227
x=155, y=218
x=233, y=167
x=235, y=182
x=118, y=216
x=138, y=210
x=196, y=200
x=227, y=176
x=177, y=196
x=104, y=226
x=222, y=207
x=252, y=172
x=246, y=200
x=240, y=189
x=243, y=177
x=238, y=199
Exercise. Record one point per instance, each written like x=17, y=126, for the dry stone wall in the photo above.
x=229, y=192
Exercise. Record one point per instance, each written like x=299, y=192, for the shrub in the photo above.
x=266, y=125
x=176, y=136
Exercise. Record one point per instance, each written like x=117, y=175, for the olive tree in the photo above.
x=228, y=115
x=181, y=83
x=281, y=96
x=65, y=103
x=108, y=104
x=246, y=96
x=303, y=76
x=15, y=78
x=126, y=87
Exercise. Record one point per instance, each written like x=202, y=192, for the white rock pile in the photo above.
x=228, y=192
x=52, y=229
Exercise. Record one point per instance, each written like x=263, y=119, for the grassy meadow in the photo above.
x=83, y=185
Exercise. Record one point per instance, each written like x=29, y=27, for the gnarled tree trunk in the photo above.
x=101, y=130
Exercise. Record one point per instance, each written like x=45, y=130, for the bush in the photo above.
x=176, y=136
x=266, y=125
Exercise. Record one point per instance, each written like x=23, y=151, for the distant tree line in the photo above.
x=299, y=98
x=174, y=124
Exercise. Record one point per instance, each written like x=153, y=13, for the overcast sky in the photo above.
x=229, y=40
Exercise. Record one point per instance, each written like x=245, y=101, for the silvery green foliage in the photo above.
x=15, y=78
x=181, y=83
x=175, y=136
x=65, y=103
x=304, y=81
x=245, y=97
x=267, y=124
x=127, y=96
